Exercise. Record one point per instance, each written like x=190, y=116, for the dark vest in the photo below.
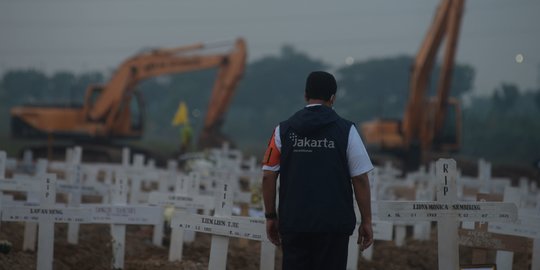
x=315, y=192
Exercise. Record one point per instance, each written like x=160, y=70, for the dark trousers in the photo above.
x=313, y=251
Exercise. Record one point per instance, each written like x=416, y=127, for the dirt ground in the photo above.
x=94, y=252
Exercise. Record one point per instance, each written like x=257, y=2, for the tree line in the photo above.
x=503, y=127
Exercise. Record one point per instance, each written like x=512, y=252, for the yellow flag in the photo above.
x=181, y=116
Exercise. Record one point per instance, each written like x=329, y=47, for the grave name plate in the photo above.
x=526, y=226
x=464, y=211
x=135, y=215
x=182, y=201
x=97, y=190
x=19, y=183
x=56, y=214
x=240, y=227
x=481, y=239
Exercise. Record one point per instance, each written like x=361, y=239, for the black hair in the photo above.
x=320, y=85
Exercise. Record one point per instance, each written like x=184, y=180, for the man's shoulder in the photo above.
x=291, y=117
x=346, y=122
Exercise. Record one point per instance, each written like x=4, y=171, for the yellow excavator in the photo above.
x=433, y=124
x=115, y=110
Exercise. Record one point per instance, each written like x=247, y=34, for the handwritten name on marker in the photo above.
x=430, y=211
x=242, y=227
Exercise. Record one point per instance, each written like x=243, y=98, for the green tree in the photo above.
x=271, y=90
x=24, y=86
x=374, y=88
x=60, y=86
x=504, y=127
x=380, y=87
x=537, y=98
x=505, y=97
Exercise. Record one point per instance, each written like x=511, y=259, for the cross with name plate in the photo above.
x=46, y=214
x=222, y=225
x=447, y=210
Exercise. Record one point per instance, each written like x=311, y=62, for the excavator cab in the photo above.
x=92, y=94
x=129, y=122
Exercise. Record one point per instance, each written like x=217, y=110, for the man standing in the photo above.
x=321, y=162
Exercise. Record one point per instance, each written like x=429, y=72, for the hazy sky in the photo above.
x=84, y=35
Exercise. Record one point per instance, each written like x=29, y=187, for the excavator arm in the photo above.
x=445, y=77
x=115, y=94
x=227, y=80
x=425, y=125
x=413, y=118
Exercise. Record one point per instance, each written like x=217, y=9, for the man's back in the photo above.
x=315, y=189
x=322, y=162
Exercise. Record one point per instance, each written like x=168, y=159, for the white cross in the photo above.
x=222, y=225
x=164, y=178
x=46, y=214
x=382, y=230
x=477, y=236
x=119, y=214
x=527, y=225
x=447, y=211
x=28, y=185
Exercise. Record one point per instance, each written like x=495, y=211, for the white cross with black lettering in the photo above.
x=447, y=211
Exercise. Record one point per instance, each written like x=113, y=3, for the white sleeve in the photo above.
x=277, y=138
x=357, y=156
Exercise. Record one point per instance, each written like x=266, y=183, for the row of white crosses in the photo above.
x=37, y=211
x=416, y=186
x=118, y=214
x=46, y=212
x=225, y=177
x=184, y=198
x=382, y=230
x=447, y=211
x=72, y=187
x=510, y=237
x=222, y=225
x=505, y=238
x=468, y=187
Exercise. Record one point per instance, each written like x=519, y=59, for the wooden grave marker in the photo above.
x=382, y=230
x=527, y=225
x=119, y=214
x=163, y=185
x=32, y=196
x=46, y=214
x=447, y=210
x=74, y=177
x=476, y=235
x=185, y=185
x=118, y=231
x=222, y=226
x=31, y=186
x=181, y=201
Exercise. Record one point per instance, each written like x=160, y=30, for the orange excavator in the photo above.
x=115, y=110
x=429, y=125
